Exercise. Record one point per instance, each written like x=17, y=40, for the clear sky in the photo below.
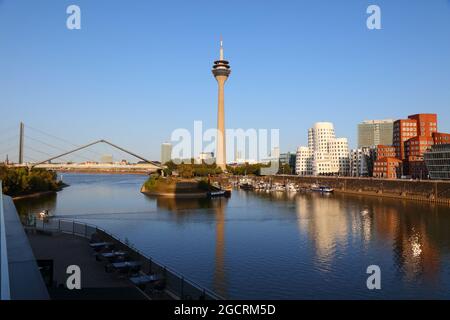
x=137, y=70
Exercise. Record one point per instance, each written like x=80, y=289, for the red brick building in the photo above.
x=383, y=151
x=390, y=168
x=441, y=138
x=426, y=123
x=415, y=147
x=404, y=129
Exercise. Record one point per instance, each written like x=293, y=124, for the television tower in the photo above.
x=221, y=70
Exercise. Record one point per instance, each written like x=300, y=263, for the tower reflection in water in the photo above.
x=216, y=207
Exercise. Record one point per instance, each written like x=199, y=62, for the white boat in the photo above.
x=291, y=187
x=323, y=189
x=278, y=187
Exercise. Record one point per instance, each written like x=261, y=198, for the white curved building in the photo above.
x=325, y=153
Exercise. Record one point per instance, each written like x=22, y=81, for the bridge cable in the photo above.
x=61, y=139
x=47, y=154
x=55, y=147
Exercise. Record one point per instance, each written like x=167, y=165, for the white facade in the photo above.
x=303, y=163
x=325, y=153
x=359, y=162
x=339, y=156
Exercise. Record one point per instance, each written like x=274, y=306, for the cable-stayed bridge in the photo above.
x=34, y=148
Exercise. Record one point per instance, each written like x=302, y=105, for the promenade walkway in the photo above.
x=66, y=250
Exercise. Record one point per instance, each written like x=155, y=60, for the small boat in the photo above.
x=278, y=187
x=246, y=186
x=291, y=187
x=323, y=189
x=219, y=193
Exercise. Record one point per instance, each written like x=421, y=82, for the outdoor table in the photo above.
x=144, y=279
x=113, y=254
x=99, y=245
x=126, y=265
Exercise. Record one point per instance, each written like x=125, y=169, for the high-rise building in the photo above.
x=404, y=129
x=325, y=153
x=221, y=70
x=166, y=152
x=374, y=132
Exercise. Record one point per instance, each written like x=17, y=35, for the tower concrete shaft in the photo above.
x=221, y=70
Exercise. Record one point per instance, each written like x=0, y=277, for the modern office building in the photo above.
x=288, y=158
x=384, y=151
x=437, y=160
x=441, y=138
x=375, y=132
x=303, y=161
x=325, y=154
x=422, y=125
x=221, y=70
x=426, y=123
x=404, y=129
x=166, y=152
x=339, y=156
x=359, y=162
x=390, y=168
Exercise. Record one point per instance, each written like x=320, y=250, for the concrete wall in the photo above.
x=433, y=191
x=25, y=279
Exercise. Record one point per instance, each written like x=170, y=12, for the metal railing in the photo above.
x=5, y=292
x=176, y=283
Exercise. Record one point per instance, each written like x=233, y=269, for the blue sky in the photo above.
x=137, y=70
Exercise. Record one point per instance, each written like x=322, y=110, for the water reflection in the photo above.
x=272, y=245
x=32, y=206
x=217, y=207
x=322, y=218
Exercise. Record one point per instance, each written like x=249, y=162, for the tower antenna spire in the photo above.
x=221, y=48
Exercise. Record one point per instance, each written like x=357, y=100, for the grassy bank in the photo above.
x=176, y=187
x=18, y=182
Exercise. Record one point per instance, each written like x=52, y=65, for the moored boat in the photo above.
x=320, y=188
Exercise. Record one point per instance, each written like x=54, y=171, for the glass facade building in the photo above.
x=437, y=160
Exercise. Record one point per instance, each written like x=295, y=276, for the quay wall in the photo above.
x=431, y=191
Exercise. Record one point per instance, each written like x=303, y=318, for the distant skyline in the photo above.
x=137, y=70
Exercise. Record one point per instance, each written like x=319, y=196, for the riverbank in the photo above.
x=416, y=190
x=35, y=195
x=97, y=171
x=20, y=182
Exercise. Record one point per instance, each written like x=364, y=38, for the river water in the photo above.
x=271, y=246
